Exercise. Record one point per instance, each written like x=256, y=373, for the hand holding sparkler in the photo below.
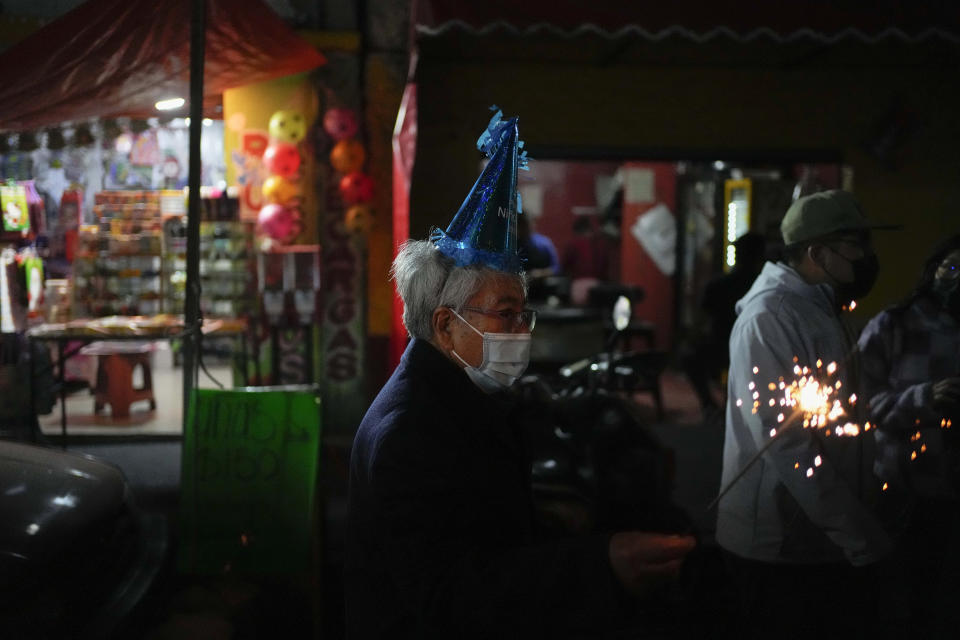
x=645, y=562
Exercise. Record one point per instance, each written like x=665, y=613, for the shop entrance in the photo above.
x=664, y=227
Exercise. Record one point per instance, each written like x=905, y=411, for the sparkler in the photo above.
x=810, y=399
x=815, y=402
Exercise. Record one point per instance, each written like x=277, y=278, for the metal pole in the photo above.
x=191, y=310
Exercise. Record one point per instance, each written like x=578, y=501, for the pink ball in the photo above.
x=278, y=222
x=340, y=123
x=356, y=188
x=282, y=159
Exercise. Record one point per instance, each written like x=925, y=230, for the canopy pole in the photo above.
x=191, y=310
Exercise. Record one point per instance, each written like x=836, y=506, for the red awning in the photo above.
x=110, y=58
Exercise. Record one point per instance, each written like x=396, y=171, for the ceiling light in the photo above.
x=170, y=104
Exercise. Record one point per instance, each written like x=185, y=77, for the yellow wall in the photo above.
x=250, y=107
x=641, y=111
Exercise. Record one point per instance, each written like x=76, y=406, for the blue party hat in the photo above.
x=484, y=231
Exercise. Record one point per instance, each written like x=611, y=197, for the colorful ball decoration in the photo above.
x=279, y=190
x=359, y=218
x=356, y=188
x=278, y=222
x=348, y=156
x=282, y=159
x=340, y=123
x=288, y=126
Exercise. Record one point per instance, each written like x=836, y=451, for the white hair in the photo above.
x=426, y=279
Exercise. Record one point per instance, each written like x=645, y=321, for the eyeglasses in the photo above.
x=948, y=270
x=512, y=320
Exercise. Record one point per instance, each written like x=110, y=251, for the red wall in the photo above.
x=565, y=185
x=636, y=266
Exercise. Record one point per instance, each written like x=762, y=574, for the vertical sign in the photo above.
x=343, y=351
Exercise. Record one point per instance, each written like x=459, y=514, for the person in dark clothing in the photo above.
x=585, y=256
x=536, y=249
x=710, y=355
x=441, y=535
x=910, y=356
x=441, y=540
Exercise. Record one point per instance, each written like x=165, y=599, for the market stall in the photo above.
x=112, y=215
x=121, y=343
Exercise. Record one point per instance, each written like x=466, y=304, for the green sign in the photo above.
x=248, y=481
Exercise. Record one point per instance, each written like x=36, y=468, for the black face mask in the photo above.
x=948, y=292
x=865, y=271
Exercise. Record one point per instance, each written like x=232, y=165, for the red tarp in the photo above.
x=119, y=57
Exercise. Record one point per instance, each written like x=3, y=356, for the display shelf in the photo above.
x=118, y=268
x=227, y=282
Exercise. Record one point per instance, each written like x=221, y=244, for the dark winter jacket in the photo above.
x=441, y=540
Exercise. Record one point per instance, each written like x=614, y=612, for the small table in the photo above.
x=142, y=328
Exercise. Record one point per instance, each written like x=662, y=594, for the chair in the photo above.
x=639, y=372
x=116, y=362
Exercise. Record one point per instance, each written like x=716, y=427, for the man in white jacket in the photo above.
x=795, y=526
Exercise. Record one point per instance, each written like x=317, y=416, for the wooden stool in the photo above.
x=114, y=385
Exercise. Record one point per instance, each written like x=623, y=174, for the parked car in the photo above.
x=76, y=556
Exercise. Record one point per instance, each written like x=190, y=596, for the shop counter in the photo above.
x=125, y=328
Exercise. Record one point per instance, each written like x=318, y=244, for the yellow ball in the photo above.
x=288, y=126
x=358, y=219
x=279, y=190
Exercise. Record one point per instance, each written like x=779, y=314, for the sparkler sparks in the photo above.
x=818, y=402
x=812, y=400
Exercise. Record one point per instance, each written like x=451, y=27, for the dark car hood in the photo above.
x=49, y=499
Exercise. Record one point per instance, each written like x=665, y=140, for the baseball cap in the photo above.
x=820, y=214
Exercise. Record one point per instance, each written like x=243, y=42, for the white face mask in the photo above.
x=505, y=358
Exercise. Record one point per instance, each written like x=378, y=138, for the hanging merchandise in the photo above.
x=278, y=222
x=83, y=136
x=71, y=216
x=282, y=159
x=340, y=123
x=55, y=140
x=16, y=214
x=33, y=272
x=358, y=219
x=12, y=313
x=138, y=126
x=35, y=207
x=27, y=141
x=145, y=150
x=287, y=126
x=279, y=190
x=356, y=188
x=280, y=219
x=348, y=156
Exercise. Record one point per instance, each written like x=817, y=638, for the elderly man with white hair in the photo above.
x=441, y=535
